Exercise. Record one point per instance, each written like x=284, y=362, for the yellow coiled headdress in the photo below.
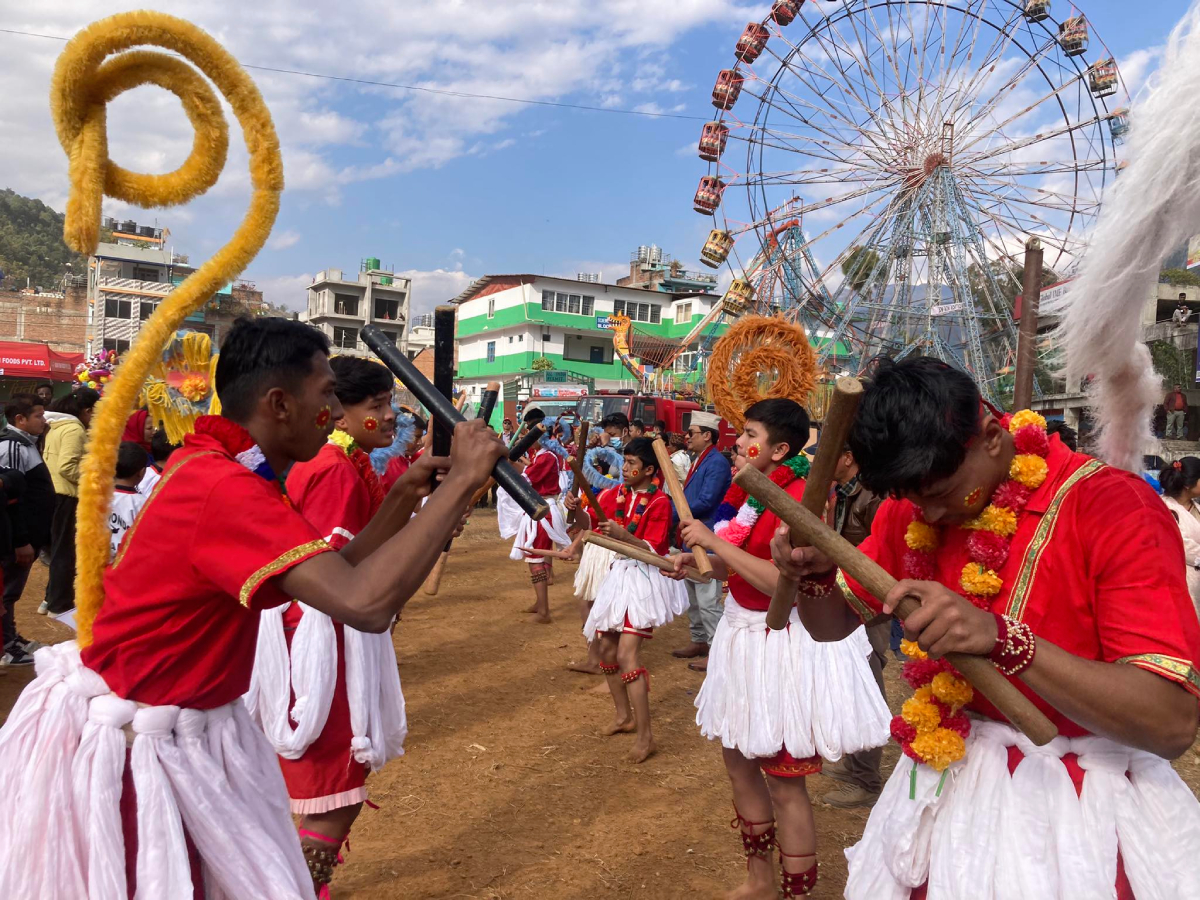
x=85, y=80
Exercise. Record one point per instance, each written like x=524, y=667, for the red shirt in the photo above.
x=759, y=544
x=1096, y=567
x=329, y=491
x=395, y=468
x=654, y=527
x=179, y=623
x=542, y=473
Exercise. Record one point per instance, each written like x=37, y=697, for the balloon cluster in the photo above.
x=97, y=370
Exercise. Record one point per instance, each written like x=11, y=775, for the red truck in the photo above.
x=675, y=413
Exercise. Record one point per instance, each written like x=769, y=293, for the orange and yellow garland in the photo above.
x=931, y=727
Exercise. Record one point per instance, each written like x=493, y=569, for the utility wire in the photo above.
x=426, y=90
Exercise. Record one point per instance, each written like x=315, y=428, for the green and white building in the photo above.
x=506, y=322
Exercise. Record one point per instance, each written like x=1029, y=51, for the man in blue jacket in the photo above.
x=705, y=487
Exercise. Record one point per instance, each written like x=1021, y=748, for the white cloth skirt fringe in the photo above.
x=995, y=836
x=211, y=772
x=638, y=591
x=376, y=700
x=514, y=523
x=594, y=564
x=770, y=690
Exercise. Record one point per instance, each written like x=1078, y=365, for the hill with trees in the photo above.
x=31, y=244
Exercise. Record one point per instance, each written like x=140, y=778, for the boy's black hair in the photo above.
x=1068, y=435
x=615, y=420
x=785, y=421
x=359, y=379
x=131, y=458
x=259, y=354
x=21, y=405
x=161, y=447
x=643, y=449
x=660, y=425
x=42, y=384
x=915, y=421
x=1173, y=480
x=533, y=416
x=637, y=423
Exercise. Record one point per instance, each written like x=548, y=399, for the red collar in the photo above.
x=696, y=464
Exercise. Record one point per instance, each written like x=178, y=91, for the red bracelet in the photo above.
x=1015, y=646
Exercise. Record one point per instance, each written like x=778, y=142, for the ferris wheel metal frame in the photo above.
x=932, y=174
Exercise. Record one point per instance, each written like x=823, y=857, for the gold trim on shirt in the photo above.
x=1170, y=667
x=277, y=565
x=861, y=609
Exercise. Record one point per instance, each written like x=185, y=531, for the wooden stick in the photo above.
x=843, y=406
x=487, y=402
x=643, y=555
x=577, y=468
x=675, y=489
x=984, y=676
x=580, y=452
x=532, y=436
x=433, y=580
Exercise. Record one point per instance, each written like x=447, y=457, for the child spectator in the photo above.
x=127, y=500
x=161, y=449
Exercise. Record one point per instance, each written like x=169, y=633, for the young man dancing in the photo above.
x=347, y=718
x=634, y=599
x=778, y=701
x=1069, y=575
x=139, y=769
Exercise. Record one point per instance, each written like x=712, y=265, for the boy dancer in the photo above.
x=777, y=700
x=197, y=806
x=348, y=713
x=1069, y=575
x=633, y=599
x=541, y=470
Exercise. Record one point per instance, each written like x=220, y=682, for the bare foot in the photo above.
x=587, y=668
x=540, y=619
x=642, y=752
x=754, y=891
x=600, y=689
x=550, y=573
x=626, y=727
x=532, y=609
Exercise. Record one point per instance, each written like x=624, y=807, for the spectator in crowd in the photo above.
x=29, y=513
x=616, y=427
x=1180, y=482
x=660, y=428
x=637, y=429
x=66, y=434
x=1065, y=433
x=680, y=458
x=1182, y=311
x=508, y=433
x=127, y=499
x=139, y=429
x=45, y=393
x=161, y=449
x=1176, y=406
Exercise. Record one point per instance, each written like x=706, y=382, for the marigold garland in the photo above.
x=930, y=727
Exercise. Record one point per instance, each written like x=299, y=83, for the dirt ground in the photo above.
x=506, y=791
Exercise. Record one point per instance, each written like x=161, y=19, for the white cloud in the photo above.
x=284, y=239
x=433, y=287
x=285, y=290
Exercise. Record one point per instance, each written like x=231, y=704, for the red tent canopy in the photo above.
x=21, y=359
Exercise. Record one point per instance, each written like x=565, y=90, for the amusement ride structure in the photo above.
x=876, y=167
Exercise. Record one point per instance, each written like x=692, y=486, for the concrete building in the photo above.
x=342, y=308
x=506, y=322
x=419, y=336
x=649, y=268
x=57, y=319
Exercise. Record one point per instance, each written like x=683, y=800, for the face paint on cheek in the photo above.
x=370, y=423
x=634, y=473
x=973, y=498
x=753, y=451
x=322, y=420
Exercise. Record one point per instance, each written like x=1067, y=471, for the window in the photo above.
x=345, y=305
x=491, y=351
x=521, y=338
x=510, y=338
x=387, y=309
x=548, y=301
x=345, y=338
x=638, y=312
x=491, y=307
x=119, y=346
x=115, y=308
x=146, y=310
x=574, y=303
x=589, y=306
x=618, y=307
x=146, y=273
x=683, y=313
x=655, y=313
x=560, y=303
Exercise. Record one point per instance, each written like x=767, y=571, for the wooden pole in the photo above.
x=675, y=489
x=642, y=555
x=580, y=452
x=487, y=402
x=984, y=676
x=843, y=405
x=532, y=436
x=1031, y=295
x=577, y=468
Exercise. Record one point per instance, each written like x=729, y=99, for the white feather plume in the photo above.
x=1153, y=207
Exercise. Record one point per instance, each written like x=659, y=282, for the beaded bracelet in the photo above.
x=1015, y=646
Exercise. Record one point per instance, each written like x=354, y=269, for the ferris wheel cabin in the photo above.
x=752, y=42
x=716, y=249
x=1118, y=122
x=727, y=89
x=1037, y=10
x=1102, y=78
x=784, y=11
x=738, y=297
x=708, y=195
x=1073, y=36
x=712, y=140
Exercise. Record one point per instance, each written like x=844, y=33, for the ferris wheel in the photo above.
x=876, y=167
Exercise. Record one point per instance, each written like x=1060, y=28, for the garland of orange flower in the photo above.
x=931, y=727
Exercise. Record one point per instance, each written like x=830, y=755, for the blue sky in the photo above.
x=448, y=189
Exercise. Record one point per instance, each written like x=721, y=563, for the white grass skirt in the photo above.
x=638, y=591
x=514, y=523
x=62, y=758
x=995, y=836
x=594, y=563
x=769, y=690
